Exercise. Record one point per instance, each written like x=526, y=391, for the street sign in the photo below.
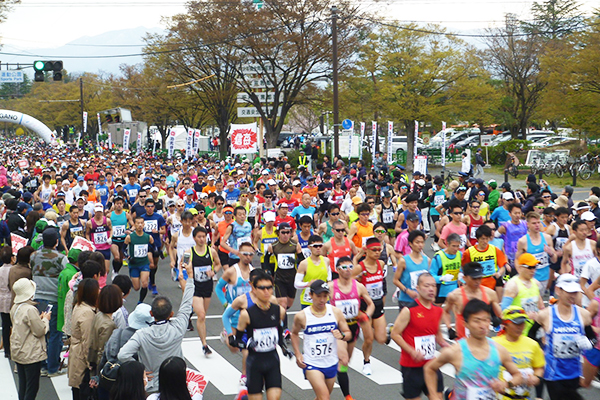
x=253, y=112
x=254, y=69
x=259, y=83
x=486, y=140
x=11, y=76
x=263, y=97
x=347, y=124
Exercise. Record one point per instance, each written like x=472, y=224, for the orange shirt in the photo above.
x=313, y=191
x=209, y=189
x=222, y=228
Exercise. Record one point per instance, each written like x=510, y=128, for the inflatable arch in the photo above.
x=28, y=122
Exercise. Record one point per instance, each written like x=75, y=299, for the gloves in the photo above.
x=235, y=343
x=285, y=351
x=447, y=278
x=584, y=343
x=496, y=321
x=251, y=344
x=460, y=276
x=452, y=334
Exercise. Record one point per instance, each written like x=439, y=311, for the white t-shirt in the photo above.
x=347, y=206
x=591, y=272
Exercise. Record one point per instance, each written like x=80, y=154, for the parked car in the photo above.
x=471, y=141
x=551, y=141
x=453, y=135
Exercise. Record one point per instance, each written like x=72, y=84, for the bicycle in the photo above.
x=585, y=169
x=450, y=176
x=537, y=165
x=512, y=168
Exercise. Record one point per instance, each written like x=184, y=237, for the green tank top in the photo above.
x=313, y=272
x=138, y=249
x=528, y=298
x=328, y=233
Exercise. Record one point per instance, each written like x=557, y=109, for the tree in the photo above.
x=513, y=57
x=555, y=19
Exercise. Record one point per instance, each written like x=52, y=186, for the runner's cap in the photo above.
x=319, y=286
x=568, y=283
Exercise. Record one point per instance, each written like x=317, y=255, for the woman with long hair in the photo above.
x=131, y=382
x=172, y=383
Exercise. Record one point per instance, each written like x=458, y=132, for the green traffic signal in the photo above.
x=39, y=65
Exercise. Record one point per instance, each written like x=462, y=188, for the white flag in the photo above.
x=188, y=147
x=390, y=134
x=139, y=143
x=196, y=140
x=373, y=138
x=362, y=139
x=443, y=143
x=126, y=135
x=84, y=121
x=171, y=144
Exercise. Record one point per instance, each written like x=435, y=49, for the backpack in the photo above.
x=110, y=369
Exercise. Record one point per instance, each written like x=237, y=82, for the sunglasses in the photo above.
x=264, y=287
x=529, y=266
x=340, y=230
x=316, y=246
x=364, y=214
x=220, y=204
x=379, y=231
x=334, y=214
x=457, y=213
x=285, y=232
x=228, y=212
x=345, y=267
x=288, y=192
x=246, y=253
x=376, y=249
x=268, y=197
x=370, y=202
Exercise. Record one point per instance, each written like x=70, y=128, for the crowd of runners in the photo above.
x=510, y=297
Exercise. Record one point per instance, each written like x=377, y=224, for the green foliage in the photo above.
x=497, y=154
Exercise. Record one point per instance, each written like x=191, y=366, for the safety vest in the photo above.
x=487, y=259
x=450, y=266
x=303, y=160
x=265, y=241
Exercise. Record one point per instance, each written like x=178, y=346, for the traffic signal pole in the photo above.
x=81, y=100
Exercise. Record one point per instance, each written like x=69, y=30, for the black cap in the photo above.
x=283, y=226
x=417, y=173
x=505, y=185
x=412, y=217
x=319, y=286
x=438, y=181
x=474, y=272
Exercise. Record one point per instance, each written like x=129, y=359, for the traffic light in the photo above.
x=109, y=119
x=40, y=67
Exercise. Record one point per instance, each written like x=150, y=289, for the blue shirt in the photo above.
x=500, y=215
x=132, y=191
x=154, y=221
x=103, y=191
x=300, y=211
x=231, y=197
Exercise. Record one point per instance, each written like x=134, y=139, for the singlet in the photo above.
x=387, y=216
x=528, y=298
x=242, y=286
x=580, y=257
x=348, y=303
x=562, y=352
x=405, y=212
x=338, y=252
x=265, y=240
x=184, y=243
x=542, y=271
x=461, y=330
x=73, y=231
x=201, y=265
x=209, y=231
x=420, y=333
x=263, y=328
x=239, y=234
x=337, y=197
x=249, y=300
x=560, y=237
x=514, y=232
x=374, y=216
x=138, y=249
x=314, y=272
x=486, y=258
x=363, y=233
x=410, y=275
x=119, y=226
x=45, y=193
x=285, y=267
x=596, y=323
x=439, y=197
x=320, y=347
x=222, y=228
x=99, y=235
x=304, y=244
x=475, y=376
x=450, y=266
x=252, y=207
x=373, y=281
x=175, y=226
x=328, y=234
x=473, y=226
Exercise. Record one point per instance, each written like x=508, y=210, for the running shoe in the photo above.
x=224, y=338
x=207, y=350
x=435, y=246
x=154, y=290
x=243, y=380
x=388, y=331
x=243, y=394
x=395, y=296
x=287, y=335
x=190, y=327
x=367, y=368
x=348, y=398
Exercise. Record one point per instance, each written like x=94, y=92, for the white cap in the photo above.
x=568, y=283
x=420, y=182
x=588, y=216
x=269, y=216
x=296, y=182
x=154, y=189
x=507, y=196
x=98, y=207
x=203, y=195
x=271, y=182
x=265, y=172
x=211, y=178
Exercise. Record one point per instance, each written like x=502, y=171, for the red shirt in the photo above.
x=288, y=219
x=93, y=176
x=291, y=203
x=182, y=195
x=422, y=328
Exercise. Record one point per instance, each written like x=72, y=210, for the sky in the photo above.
x=37, y=24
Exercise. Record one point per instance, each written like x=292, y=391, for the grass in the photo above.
x=554, y=180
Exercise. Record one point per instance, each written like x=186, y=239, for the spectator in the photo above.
x=64, y=278
x=21, y=269
x=130, y=383
x=163, y=339
x=5, y=297
x=173, y=384
x=121, y=315
x=479, y=163
x=28, y=345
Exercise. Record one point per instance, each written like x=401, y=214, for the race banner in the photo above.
x=17, y=242
x=23, y=164
x=153, y=136
x=139, y=143
x=189, y=143
x=171, y=145
x=126, y=136
x=196, y=140
x=443, y=143
x=389, y=147
x=350, y=142
x=373, y=138
x=362, y=139
x=244, y=138
x=196, y=383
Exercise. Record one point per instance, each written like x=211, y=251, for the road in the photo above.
x=223, y=368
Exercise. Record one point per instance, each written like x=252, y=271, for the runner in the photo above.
x=154, y=224
x=445, y=267
x=560, y=231
x=265, y=236
x=577, y=252
x=416, y=330
x=411, y=202
x=347, y=294
x=238, y=232
x=305, y=225
x=511, y=231
x=181, y=242
x=325, y=230
x=205, y=263
x=139, y=243
x=323, y=326
x=456, y=225
x=220, y=231
x=477, y=360
x=362, y=229
x=310, y=269
x=591, y=358
x=473, y=221
x=99, y=231
x=236, y=280
x=72, y=228
x=409, y=269
x=339, y=246
x=491, y=258
x=119, y=221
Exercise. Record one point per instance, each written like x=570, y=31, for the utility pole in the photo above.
x=81, y=102
x=336, y=108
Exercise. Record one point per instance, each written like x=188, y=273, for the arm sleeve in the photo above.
x=219, y=291
x=229, y=311
x=185, y=309
x=434, y=268
x=299, y=282
x=506, y=301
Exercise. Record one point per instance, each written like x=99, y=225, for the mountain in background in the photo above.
x=90, y=46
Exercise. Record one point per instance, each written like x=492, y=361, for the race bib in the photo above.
x=286, y=261
x=426, y=345
x=252, y=211
x=437, y=200
x=375, y=290
x=231, y=201
x=151, y=225
x=118, y=230
x=414, y=277
x=306, y=296
x=530, y=304
x=76, y=230
x=480, y=393
x=489, y=267
x=306, y=252
x=521, y=390
x=140, y=250
x=101, y=237
x=473, y=232
x=463, y=241
x=201, y=273
x=133, y=193
x=560, y=242
x=543, y=259
x=565, y=345
x=321, y=350
x=387, y=217
x=349, y=307
x=245, y=239
x=266, y=339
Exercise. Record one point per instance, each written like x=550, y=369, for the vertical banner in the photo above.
x=139, y=143
x=443, y=143
x=389, y=147
x=99, y=130
x=126, y=136
x=416, y=136
x=196, y=140
x=362, y=139
x=78, y=139
x=188, y=147
x=373, y=138
x=153, y=138
x=171, y=145
x=85, y=122
x=109, y=140
x=350, y=142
